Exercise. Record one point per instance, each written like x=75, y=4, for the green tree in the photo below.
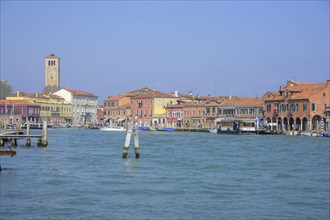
x=5, y=89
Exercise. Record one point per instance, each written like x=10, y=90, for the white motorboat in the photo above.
x=214, y=130
x=113, y=128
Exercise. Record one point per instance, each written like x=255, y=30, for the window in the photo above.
x=305, y=107
x=269, y=107
x=313, y=107
x=150, y=101
x=291, y=108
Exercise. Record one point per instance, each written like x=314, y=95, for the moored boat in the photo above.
x=238, y=126
x=113, y=128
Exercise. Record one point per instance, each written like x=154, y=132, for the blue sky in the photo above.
x=208, y=47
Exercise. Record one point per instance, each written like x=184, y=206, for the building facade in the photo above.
x=241, y=108
x=84, y=106
x=117, y=109
x=149, y=106
x=54, y=109
x=17, y=112
x=298, y=106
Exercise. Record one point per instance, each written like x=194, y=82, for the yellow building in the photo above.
x=53, y=108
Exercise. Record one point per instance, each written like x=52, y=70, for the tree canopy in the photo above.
x=5, y=89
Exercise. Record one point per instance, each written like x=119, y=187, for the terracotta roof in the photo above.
x=242, y=102
x=17, y=102
x=298, y=90
x=36, y=95
x=149, y=93
x=77, y=92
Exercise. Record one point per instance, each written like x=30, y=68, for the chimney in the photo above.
x=17, y=93
x=176, y=93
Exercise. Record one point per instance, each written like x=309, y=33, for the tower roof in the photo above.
x=52, y=56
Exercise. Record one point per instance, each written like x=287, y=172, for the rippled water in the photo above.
x=81, y=175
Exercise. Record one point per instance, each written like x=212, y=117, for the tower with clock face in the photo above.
x=52, y=73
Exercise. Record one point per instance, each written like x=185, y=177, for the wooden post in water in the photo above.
x=44, y=139
x=28, y=140
x=13, y=142
x=132, y=128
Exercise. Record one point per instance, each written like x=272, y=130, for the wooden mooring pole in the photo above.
x=132, y=128
x=43, y=141
x=28, y=140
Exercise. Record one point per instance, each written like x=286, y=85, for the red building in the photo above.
x=174, y=116
x=298, y=106
x=17, y=111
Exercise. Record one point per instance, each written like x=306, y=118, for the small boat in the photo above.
x=144, y=128
x=33, y=125
x=165, y=129
x=214, y=130
x=113, y=128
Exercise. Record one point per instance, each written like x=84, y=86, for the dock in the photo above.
x=13, y=135
x=192, y=129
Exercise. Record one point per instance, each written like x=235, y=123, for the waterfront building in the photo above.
x=174, y=115
x=298, y=106
x=17, y=112
x=54, y=109
x=117, y=109
x=212, y=109
x=52, y=73
x=100, y=114
x=194, y=114
x=241, y=107
x=149, y=106
x=84, y=106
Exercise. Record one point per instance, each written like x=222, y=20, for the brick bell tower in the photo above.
x=52, y=73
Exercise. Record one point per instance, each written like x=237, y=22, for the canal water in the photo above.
x=81, y=175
